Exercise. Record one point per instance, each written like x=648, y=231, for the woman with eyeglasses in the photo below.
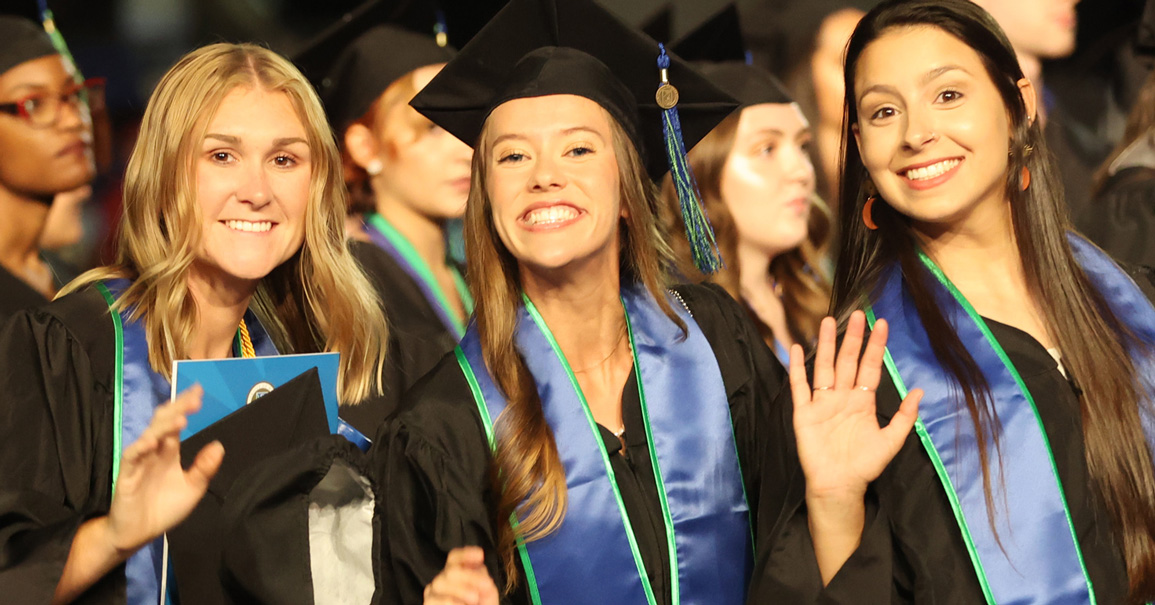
x=45, y=149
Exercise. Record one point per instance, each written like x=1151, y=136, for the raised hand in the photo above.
x=840, y=445
x=153, y=492
x=464, y=581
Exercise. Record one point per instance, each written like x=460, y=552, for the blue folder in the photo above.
x=230, y=384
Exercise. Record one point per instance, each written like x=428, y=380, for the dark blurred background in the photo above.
x=132, y=42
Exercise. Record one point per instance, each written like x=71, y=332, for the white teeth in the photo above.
x=550, y=215
x=929, y=172
x=250, y=226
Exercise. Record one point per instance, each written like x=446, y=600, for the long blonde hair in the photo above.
x=805, y=287
x=318, y=300
x=527, y=472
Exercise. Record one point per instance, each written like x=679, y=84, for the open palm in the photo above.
x=153, y=493
x=841, y=446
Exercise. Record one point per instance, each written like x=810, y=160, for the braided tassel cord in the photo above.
x=698, y=230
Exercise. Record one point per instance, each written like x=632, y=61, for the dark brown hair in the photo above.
x=1090, y=336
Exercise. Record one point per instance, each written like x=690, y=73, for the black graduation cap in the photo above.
x=354, y=60
x=660, y=25
x=335, y=553
x=22, y=40
x=718, y=50
x=289, y=415
x=544, y=47
x=534, y=48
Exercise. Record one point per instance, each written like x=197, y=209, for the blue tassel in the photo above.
x=440, y=31
x=698, y=231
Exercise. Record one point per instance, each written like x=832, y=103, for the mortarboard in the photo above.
x=535, y=48
x=291, y=414
x=22, y=40
x=319, y=503
x=717, y=49
x=354, y=60
x=660, y=25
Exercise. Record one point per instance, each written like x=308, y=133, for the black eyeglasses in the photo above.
x=42, y=109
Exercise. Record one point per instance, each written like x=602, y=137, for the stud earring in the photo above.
x=374, y=167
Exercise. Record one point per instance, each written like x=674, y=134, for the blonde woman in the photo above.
x=406, y=178
x=232, y=242
x=617, y=409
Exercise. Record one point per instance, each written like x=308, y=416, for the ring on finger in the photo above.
x=862, y=388
x=824, y=388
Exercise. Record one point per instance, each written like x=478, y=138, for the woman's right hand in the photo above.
x=464, y=581
x=840, y=445
x=153, y=493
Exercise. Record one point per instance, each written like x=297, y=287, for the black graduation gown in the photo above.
x=912, y=550
x=56, y=404
x=417, y=338
x=16, y=295
x=1121, y=219
x=433, y=457
x=57, y=385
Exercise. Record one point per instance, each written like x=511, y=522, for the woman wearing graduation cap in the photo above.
x=232, y=244
x=596, y=434
x=45, y=149
x=1029, y=478
x=406, y=174
x=757, y=186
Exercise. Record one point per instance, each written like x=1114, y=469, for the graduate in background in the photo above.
x=605, y=411
x=45, y=149
x=405, y=174
x=232, y=244
x=1030, y=478
x=757, y=186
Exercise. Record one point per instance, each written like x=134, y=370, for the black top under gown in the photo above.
x=912, y=550
x=417, y=337
x=434, y=457
x=57, y=373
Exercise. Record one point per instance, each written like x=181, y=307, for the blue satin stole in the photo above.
x=1036, y=557
x=139, y=391
x=593, y=557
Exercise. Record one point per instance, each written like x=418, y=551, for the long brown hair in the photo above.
x=526, y=470
x=805, y=287
x=318, y=300
x=1090, y=336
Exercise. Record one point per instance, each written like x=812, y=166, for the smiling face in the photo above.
x=43, y=161
x=768, y=179
x=933, y=133
x=553, y=181
x=253, y=174
x=423, y=166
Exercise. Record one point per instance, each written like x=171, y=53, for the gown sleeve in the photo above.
x=55, y=454
x=433, y=457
